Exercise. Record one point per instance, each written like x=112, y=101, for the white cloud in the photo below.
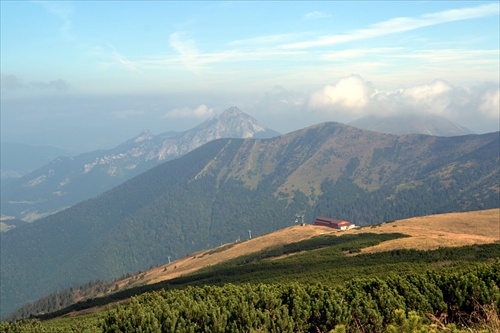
x=316, y=15
x=294, y=49
x=349, y=95
x=401, y=24
x=354, y=96
x=490, y=103
x=202, y=111
x=434, y=98
x=187, y=50
x=477, y=64
x=187, y=55
x=281, y=58
x=350, y=54
x=128, y=64
x=265, y=40
x=444, y=56
x=63, y=11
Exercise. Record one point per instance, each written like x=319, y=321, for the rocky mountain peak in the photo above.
x=233, y=123
x=231, y=112
x=144, y=135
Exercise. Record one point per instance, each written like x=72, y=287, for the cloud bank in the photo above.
x=14, y=82
x=354, y=96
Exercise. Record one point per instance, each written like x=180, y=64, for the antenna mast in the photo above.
x=300, y=217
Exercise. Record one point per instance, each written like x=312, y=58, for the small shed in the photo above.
x=333, y=223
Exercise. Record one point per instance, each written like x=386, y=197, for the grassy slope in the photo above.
x=425, y=233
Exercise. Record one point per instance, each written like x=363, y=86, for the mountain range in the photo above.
x=29, y=194
x=66, y=181
x=411, y=124
x=19, y=159
x=220, y=191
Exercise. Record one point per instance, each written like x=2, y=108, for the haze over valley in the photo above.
x=81, y=85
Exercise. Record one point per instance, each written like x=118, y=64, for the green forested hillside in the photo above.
x=218, y=192
x=370, y=305
x=66, y=181
x=323, y=259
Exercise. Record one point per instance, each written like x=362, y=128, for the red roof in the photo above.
x=332, y=223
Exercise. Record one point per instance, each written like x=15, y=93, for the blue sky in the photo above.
x=97, y=73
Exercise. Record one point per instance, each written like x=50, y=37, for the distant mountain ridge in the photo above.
x=411, y=124
x=68, y=180
x=217, y=192
x=18, y=159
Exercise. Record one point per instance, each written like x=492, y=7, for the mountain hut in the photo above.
x=333, y=223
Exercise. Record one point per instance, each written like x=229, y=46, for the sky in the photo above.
x=88, y=75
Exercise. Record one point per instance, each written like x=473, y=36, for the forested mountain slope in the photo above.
x=218, y=192
x=66, y=181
